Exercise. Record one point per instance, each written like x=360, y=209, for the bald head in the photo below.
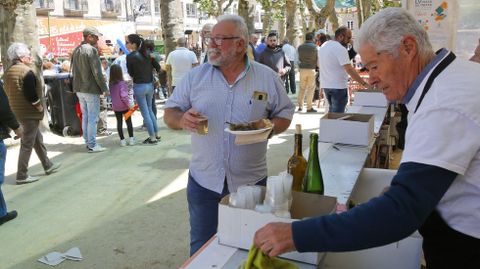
x=181, y=42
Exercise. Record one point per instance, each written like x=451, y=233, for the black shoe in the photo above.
x=299, y=109
x=311, y=110
x=10, y=215
x=149, y=141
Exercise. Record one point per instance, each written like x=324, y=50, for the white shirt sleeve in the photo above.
x=193, y=57
x=442, y=137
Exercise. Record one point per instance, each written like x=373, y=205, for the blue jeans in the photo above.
x=203, y=209
x=90, y=106
x=143, y=94
x=337, y=99
x=3, y=158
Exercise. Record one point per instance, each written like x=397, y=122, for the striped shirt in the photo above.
x=215, y=155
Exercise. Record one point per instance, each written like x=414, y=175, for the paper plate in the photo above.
x=249, y=132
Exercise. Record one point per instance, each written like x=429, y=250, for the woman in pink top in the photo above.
x=121, y=103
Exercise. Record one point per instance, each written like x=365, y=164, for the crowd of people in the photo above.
x=437, y=185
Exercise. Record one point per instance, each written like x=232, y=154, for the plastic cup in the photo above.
x=202, y=125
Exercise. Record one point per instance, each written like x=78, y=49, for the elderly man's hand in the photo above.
x=18, y=132
x=189, y=120
x=275, y=238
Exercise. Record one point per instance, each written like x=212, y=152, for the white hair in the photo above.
x=17, y=50
x=386, y=29
x=239, y=24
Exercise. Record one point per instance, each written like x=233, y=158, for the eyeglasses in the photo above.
x=219, y=40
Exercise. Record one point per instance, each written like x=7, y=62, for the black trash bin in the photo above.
x=61, y=104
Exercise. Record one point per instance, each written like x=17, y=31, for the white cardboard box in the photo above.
x=404, y=254
x=237, y=227
x=355, y=129
x=370, y=98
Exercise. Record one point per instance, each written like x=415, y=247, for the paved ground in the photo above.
x=124, y=208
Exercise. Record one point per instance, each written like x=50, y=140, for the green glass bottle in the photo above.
x=297, y=163
x=313, y=181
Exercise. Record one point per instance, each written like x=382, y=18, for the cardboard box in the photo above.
x=404, y=254
x=237, y=227
x=346, y=128
x=370, y=98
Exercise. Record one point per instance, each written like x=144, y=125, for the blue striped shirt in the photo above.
x=215, y=155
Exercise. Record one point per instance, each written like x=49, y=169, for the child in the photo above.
x=120, y=103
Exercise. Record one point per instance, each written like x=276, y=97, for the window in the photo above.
x=191, y=10
x=77, y=5
x=48, y=4
x=157, y=7
x=350, y=25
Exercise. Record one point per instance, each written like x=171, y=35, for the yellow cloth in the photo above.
x=257, y=260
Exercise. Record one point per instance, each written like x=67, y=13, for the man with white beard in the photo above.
x=229, y=88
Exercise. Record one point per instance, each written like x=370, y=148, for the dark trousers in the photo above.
x=32, y=139
x=203, y=210
x=446, y=248
x=290, y=85
x=119, y=116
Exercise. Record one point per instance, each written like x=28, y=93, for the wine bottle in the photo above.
x=297, y=163
x=313, y=181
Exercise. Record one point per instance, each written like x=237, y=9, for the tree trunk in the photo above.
x=171, y=23
x=19, y=25
x=359, y=12
x=267, y=22
x=304, y=18
x=294, y=33
x=318, y=16
x=246, y=9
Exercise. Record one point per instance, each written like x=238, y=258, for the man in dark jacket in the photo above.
x=7, y=121
x=89, y=83
x=274, y=57
x=24, y=90
x=307, y=62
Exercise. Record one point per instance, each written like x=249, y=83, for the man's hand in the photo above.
x=18, y=132
x=281, y=72
x=275, y=238
x=189, y=120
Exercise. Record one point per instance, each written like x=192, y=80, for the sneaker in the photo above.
x=131, y=141
x=123, y=143
x=29, y=179
x=311, y=110
x=104, y=133
x=8, y=217
x=97, y=148
x=53, y=168
x=158, y=138
x=148, y=141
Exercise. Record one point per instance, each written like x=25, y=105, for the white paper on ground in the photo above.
x=55, y=258
x=52, y=258
x=73, y=254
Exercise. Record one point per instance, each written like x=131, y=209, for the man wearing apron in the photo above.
x=437, y=186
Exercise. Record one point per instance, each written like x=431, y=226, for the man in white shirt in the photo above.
x=291, y=53
x=437, y=186
x=179, y=62
x=334, y=70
